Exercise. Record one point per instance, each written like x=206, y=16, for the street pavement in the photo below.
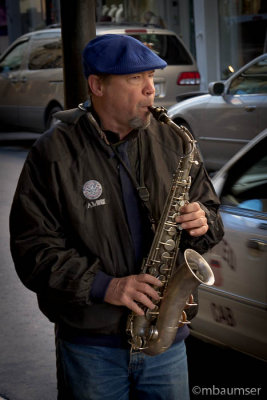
x=27, y=358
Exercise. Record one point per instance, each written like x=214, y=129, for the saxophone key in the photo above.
x=169, y=244
x=163, y=269
x=153, y=333
x=162, y=278
x=168, y=223
x=152, y=314
x=173, y=216
x=137, y=343
x=183, y=320
x=171, y=231
x=177, y=207
x=195, y=162
x=190, y=302
x=153, y=271
x=166, y=256
x=187, y=305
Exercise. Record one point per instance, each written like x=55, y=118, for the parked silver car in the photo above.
x=31, y=78
x=232, y=113
x=234, y=311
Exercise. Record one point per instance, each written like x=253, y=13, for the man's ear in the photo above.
x=96, y=85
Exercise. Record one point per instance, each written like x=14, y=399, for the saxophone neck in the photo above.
x=160, y=114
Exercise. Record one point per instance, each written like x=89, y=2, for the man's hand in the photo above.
x=193, y=219
x=131, y=289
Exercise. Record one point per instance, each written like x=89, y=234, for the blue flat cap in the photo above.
x=119, y=55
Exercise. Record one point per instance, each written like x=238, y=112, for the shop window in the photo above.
x=243, y=32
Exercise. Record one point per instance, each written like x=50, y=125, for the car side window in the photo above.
x=251, y=81
x=246, y=186
x=14, y=58
x=45, y=54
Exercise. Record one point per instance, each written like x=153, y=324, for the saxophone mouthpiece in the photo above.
x=159, y=113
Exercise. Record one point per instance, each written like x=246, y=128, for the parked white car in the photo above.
x=31, y=76
x=231, y=114
x=234, y=311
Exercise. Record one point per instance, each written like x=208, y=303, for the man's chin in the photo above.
x=140, y=123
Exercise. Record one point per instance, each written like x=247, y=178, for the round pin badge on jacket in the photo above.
x=92, y=190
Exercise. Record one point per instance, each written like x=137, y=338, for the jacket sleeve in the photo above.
x=202, y=191
x=44, y=254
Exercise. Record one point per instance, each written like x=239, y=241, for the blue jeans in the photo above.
x=106, y=373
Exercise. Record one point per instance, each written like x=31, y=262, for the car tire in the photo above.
x=51, y=120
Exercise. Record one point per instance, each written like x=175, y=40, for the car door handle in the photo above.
x=13, y=79
x=250, y=108
x=263, y=226
x=257, y=244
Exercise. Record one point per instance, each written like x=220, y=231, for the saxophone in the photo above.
x=155, y=331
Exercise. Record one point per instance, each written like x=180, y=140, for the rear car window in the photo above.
x=167, y=47
x=45, y=54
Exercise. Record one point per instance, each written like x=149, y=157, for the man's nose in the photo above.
x=149, y=87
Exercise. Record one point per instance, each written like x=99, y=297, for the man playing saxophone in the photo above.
x=81, y=223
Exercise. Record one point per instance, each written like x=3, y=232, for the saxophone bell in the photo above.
x=158, y=335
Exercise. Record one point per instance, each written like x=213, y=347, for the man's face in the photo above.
x=126, y=99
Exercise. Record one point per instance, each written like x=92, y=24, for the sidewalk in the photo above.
x=27, y=351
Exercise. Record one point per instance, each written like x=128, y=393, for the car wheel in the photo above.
x=51, y=120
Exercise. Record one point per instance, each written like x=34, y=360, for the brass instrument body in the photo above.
x=194, y=271
x=154, y=332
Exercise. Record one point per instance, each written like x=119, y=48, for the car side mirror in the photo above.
x=216, y=88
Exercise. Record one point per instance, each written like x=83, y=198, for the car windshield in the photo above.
x=247, y=186
x=167, y=47
x=251, y=81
